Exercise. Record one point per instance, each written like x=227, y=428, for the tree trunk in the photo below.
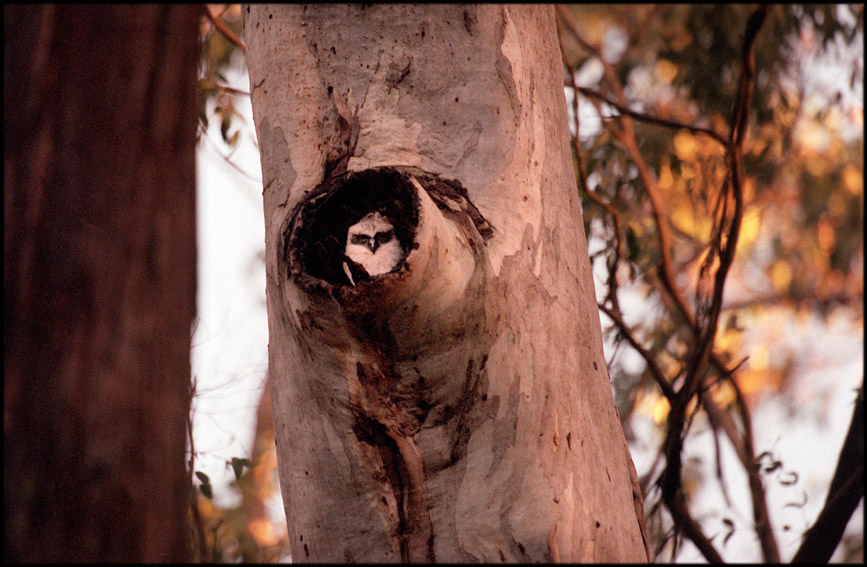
x=99, y=280
x=459, y=408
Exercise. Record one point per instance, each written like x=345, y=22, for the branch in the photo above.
x=761, y=517
x=847, y=489
x=652, y=119
x=230, y=90
x=582, y=175
x=218, y=23
x=201, y=538
x=654, y=368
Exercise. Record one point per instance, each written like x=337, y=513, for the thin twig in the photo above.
x=653, y=119
x=204, y=551
x=223, y=29
x=611, y=294
x=761, y=517
x=655, y=370
x=230, y=90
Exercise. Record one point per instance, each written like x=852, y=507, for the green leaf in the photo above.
x=238, y=466
x=205, y=487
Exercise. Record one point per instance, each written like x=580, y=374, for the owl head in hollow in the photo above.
x=372, y=248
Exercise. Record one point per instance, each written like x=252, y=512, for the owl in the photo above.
x=372, y=248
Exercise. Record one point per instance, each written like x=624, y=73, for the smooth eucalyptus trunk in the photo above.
x=458, y=409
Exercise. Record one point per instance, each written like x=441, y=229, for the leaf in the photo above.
x=632, y=244
x=238, y=466
x=205, y=487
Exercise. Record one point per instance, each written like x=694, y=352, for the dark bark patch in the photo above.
x=397, y=72
x=470, y=22
x=403, y=465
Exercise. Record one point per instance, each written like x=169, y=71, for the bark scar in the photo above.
x=553, y=555
x=401, y=457
x=343, y=142
x=417, y=531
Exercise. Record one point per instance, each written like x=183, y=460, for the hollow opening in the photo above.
x=317, y=234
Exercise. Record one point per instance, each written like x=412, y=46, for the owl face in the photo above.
x=372, y=243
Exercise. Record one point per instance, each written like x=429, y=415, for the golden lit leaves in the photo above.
x=729, y=340
x=665, y=71
x=853, y=180
x=800, y=244
x=653, y=405
x=825, y=234
x=263, y=532
x=724, y=394
x=685, y=146
x=686, y=221
x=759, y=357
x=750, y=225
x=660, y=410
x=666, y=179
x=781, y=275
x=756, y=383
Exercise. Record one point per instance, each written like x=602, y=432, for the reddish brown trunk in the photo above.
x=99, y=280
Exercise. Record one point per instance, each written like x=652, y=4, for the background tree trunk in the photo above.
x=459, y=410
x=99, y=280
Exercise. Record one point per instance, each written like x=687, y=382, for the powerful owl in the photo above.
x=372, y=248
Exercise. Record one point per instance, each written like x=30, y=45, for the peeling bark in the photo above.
x=421, y=415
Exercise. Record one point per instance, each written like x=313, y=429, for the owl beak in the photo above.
x=373, y=245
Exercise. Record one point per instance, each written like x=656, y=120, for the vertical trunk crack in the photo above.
x=391, y=429
x=416, y=530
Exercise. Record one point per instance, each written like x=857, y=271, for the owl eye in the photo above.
x=360, y=238
x=383, y=237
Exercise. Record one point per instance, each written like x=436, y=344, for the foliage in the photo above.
x=241, y=532
x=672, y=180
x=219, y=51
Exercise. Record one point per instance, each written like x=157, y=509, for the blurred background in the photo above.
x=791, y=324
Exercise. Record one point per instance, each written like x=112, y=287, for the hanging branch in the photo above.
x=846, y=490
